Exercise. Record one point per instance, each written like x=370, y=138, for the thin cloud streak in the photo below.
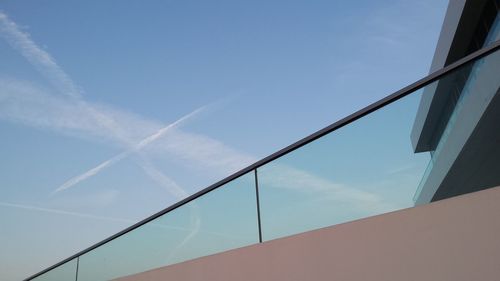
x=104, y=121
x=180, y=193
x=163, y=180
x=26, y=103
x=98, y=121
x=143, y=143
x=90, y=173
x=45, y=64
x=286, y=177
x=161, y=132
x=39, y=58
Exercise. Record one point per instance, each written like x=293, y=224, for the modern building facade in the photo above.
x=458, y=131
x=340, y=203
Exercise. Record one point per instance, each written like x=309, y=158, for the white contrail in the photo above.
x=165, y=129
x=38, y=57
x=92, y=172
x=103, y=121
x=47, y=66
x=143, y=143
x=171, y=186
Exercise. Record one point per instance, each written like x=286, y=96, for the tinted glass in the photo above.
x=362, y=169
x=65, y=272
x=223, y=219
x=466, y=152
x=435, y=143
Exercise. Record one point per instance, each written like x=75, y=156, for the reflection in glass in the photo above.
x=223, y=219
x=365, y=168
x=362, y=169
x=468, y=132
x=64, y=272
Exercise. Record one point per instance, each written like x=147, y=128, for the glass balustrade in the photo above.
x=220, y=220
x=364, y=168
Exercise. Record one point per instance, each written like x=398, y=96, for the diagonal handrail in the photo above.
x=341, y=123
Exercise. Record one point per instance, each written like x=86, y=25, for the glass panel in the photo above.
x=465, y=155
x=65, y=272
x=370, y=167
x=223, y=219
x=494, y=33
x=365, y=168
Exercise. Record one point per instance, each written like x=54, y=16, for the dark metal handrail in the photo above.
x=341, y=123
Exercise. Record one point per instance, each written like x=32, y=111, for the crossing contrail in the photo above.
x=140, y=145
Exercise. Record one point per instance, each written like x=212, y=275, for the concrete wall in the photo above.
x=453, y=239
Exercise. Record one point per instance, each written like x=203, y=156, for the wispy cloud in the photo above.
x=92, y=172
x=70, y=114
x=160, y=178
x=205, y=151
x=161, y=132
x=23, y=102
x=286, y=177
x=38, y=57
x=46, y=65
x=26, y=103
x=134, y=149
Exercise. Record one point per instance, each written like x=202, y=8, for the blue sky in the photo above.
x=111, y=110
